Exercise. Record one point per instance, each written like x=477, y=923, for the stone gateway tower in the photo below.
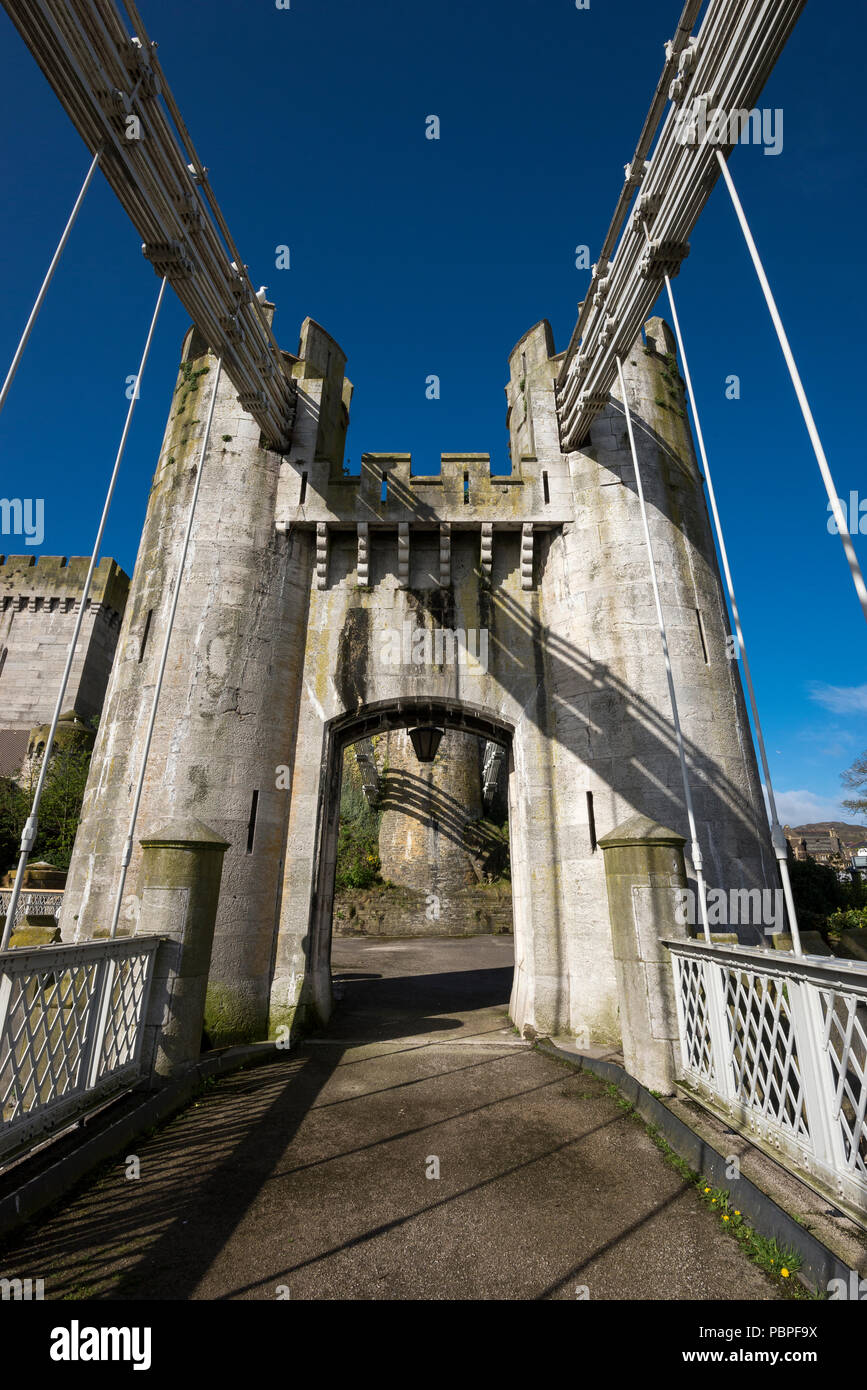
x=319, y=608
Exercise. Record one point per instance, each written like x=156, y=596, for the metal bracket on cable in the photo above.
x=686, y=64
x=633, y=175
x=190, y=211
x=139, y=64
x=646, y=208
x=606, y=333
x=235, y=332
x=170, y=259
x=663, y=258
x=594, y=398
x=601, y=292
x=28, y=834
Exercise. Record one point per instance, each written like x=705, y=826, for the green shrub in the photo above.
x=849, y=919
x=358, y=837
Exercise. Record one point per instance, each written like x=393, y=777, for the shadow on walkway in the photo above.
x=419, y=1150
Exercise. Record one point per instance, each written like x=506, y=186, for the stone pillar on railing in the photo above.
x=645, y=873
x=179, y=887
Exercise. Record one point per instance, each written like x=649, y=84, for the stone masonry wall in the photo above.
x=297, y=624
x=393, y=911
x=39, y=600
x=425, y=811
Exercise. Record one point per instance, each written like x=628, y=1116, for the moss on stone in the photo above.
x=228, y=1017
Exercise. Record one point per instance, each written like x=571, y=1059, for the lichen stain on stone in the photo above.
x=198, y=778
x=352, y=656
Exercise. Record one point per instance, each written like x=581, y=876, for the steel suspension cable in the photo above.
x=28, y=835
x=126, y=855
x=687, y=793
x=824, y=469
x=778, y=839
x=49, y=276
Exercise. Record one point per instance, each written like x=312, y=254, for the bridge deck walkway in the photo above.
x=309, y=1174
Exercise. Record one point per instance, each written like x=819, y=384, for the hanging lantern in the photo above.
x=425, y=741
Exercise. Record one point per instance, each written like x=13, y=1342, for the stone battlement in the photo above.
x=464, y=493
x=56, y=577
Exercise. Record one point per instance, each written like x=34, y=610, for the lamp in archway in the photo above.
x=425, y=741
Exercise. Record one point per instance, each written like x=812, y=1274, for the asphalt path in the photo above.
x=418, y=1149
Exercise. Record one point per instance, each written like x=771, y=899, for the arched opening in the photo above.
x=435, y=806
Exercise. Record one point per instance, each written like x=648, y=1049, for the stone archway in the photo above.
x=315, y=999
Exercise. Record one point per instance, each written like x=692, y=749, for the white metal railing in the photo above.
x=71, y=1027
x=47, y=902
x=781, y=1043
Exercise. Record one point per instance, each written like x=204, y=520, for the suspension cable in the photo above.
x=34, y=312
x=778, y=839
x=824, y=469
x=28, y=835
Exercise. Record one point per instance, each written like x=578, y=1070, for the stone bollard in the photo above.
x=179, y=887
x=644, y=871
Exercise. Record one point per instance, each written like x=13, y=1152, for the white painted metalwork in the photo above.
x=779, y=1044
x=492, y=761
x=47, y=902
x=104, y=69
x=660, y=619
x=818, y=450
x=778, y=838
x=71, y=1030
x=731, y=57
x=49, y=276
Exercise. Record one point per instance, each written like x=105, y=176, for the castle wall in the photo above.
x=350, y=667
x=426, y=808
x=229, y=698
x=39, y=601
x=310, y=610
x=612, y=715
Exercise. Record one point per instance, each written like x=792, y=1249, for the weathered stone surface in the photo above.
x=39, y=600
x=179, y=889
x=386, y=910
x=284, y=652
x=644, y=873
x=35, y=931
x=426, y=808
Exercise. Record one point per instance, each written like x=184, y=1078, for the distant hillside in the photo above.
x=851, y=835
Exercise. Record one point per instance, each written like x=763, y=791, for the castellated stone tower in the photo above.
x=288, y=647
x=426, y=810
x=39, y=601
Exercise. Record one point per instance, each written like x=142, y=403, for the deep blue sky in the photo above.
x=434, y=257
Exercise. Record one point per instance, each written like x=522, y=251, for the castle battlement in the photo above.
x=61, y=579
x=465, y=493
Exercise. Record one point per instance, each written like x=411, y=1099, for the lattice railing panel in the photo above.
x=694, y=1006
x=128, y=988
x=779, y=1043
x=71, y=1027
x=46, y=904
x=43, y=1044
x=764, y=1056
x=846, y=1037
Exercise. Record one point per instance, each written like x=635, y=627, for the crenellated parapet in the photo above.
x=53, y=583
x=463, y=494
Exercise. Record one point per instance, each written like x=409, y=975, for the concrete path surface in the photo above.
x=308, y=1177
